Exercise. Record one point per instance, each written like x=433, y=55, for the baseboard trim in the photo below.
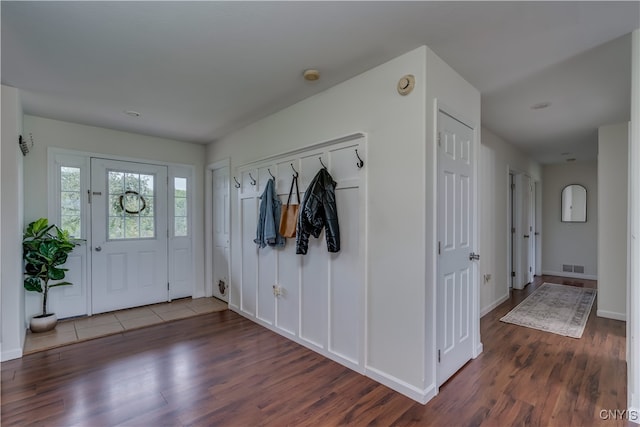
x=16, y=353
x=396, y=384
x=570, y=275
x=479, y=350
x=493, y=305
x=612, y=315
x=412, y=392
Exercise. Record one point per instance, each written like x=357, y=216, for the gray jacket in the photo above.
x=269, y=220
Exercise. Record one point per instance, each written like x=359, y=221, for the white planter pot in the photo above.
x=43, y=323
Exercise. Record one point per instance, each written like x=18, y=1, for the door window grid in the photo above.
x=181, y=225
x=131, y=210
x=70, y=201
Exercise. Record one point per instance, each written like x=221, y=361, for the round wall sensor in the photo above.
x=406, y=84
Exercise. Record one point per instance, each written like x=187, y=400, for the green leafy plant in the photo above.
x=45, y=248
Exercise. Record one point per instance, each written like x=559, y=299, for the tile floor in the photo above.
x=86, y=328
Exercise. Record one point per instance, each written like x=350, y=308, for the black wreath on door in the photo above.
x=138, y=195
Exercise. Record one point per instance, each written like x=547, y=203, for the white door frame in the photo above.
x=208, y=224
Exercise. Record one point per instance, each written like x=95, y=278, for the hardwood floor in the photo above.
x=220, y=369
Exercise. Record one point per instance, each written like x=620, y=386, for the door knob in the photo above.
x=526, y=236
x=98, y=248
x=474, y=256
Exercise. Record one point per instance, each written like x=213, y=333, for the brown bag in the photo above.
x=289, y=216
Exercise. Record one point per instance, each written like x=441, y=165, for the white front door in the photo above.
x=456, y=272
x=221, y=225
x=128, y=233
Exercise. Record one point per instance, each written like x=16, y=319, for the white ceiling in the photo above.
x=199, y=70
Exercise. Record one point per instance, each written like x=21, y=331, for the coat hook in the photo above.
x=253, y=181
x=269, y=170
x=359, y=163
x=320, y=158
x=296, y=174
x=237, y=184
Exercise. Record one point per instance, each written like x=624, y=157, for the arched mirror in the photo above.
x=574, y=203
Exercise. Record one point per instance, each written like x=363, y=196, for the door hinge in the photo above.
x=530, y=270
x=439, y=248
x=440, y=138
x=513, y=230
x=438, y=356
x=167, y=285
x=513, y=274
x=89, y=196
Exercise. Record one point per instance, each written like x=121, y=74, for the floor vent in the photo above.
x=578, y=269
x=567, y=267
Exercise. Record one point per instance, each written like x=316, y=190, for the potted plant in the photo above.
x=45, y=248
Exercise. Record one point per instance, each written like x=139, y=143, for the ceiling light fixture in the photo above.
x=132, y=113
x=311, y=75
x=540, y=105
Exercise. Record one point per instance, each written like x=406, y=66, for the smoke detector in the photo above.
x=311, y=75
x=406, y=84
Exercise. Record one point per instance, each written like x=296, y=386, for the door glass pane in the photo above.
x=146, y=185
x=116, y=228
x=130, y=206
x=146, y=226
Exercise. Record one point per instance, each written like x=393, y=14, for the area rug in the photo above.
x=559, y=309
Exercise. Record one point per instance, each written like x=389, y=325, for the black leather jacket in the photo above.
x=318, y=209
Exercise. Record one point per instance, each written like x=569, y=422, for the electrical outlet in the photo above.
x=278, y=290
x=487, y=278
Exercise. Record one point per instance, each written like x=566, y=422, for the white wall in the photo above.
x=400, y=343
x=572, y=243
x=368, y=103
x=445, y=89
x=613, y=154
x=11, y=224
x=633, y=294
x=497, y=157
x=54, y=133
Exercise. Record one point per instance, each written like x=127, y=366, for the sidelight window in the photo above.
x=70, y=201
x=181, y=225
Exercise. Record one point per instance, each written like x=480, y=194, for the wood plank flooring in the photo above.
x=220, y=369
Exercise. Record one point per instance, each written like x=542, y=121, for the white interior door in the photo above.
x=512, y=233
x=456, y=272
x=527, y=231
x=531, y=240
x=129, y=234
x=221, y=226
